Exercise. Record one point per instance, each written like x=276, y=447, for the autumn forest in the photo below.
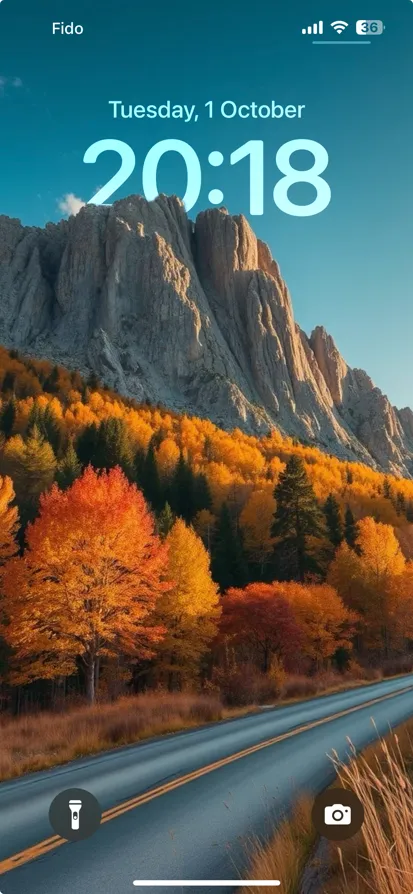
x=144, y=550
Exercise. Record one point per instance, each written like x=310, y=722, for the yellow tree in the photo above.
x=189, y=610
x=368, y=581
x=400, y=610
x=8, y=548
x=91, y=574
x=255, y=522
x=8, y=520
x=204, y=524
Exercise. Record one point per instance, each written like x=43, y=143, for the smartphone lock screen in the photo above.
x=206, y=446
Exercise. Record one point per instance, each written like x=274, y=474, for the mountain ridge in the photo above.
x=193, y=315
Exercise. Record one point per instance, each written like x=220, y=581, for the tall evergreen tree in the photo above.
x=387, y=489
x=202, y=493
x=229, y=567
x=350, y=529
x=296, y=518
x=113, y=447
x=333, y=520
x=400, y=503
x=53, y=431
x=9, y=381
x=165, y=521
x=150, y=480
x=87, y=444
x=76, y=380
x=94, y=382
x=7, y=417
x=182, y=490
x=69, y=468
x=139, y=463
x=51, y=383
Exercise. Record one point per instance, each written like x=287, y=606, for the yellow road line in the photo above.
x=49, y=844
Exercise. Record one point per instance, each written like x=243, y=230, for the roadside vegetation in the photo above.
x=379, y=858
x=39, y=740
x=286, y=857
x=42, y=740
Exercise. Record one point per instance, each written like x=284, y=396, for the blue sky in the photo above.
x=349, y=268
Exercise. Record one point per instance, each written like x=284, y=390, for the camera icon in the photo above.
x=337, y=815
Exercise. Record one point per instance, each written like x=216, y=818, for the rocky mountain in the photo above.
x=193, y=315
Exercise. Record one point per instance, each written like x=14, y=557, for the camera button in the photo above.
x=337, y=814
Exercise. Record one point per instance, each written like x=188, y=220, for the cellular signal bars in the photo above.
x=313, y=29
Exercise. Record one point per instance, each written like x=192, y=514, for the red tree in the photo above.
x=258, y=617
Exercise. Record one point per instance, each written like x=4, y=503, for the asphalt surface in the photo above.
x=201, y=829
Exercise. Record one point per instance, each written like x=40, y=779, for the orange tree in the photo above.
x=90, y=575
x=324, y=621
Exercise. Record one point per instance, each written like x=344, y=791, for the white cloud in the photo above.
x=71, y=204
x=9, y=82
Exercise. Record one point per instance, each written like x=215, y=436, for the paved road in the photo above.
x=198, y=830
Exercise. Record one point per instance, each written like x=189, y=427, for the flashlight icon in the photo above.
x=75, y=808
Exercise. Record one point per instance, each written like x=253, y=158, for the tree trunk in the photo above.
x=97, y=674
x=90, y=680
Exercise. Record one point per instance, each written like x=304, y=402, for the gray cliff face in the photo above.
x=195, y=316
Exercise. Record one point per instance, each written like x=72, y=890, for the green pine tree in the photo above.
x=7, y=417
x=387, y=489
x=202, y=493
x=113, y=447
x=94, y=382
x=9, y=381
x=69, y=468
x=165, y=521
x=150, y=480
x=334, y=522
x=51, y=384
x=53, y=431
x=229, y=567
x=182, y=490
x=350, y=529
x=86, y=445
x=296, y=518
x=139, y=463
x=400, y=504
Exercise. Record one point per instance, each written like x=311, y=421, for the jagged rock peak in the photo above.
x=193, y=315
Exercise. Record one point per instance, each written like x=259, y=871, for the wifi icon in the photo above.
x=339, y=26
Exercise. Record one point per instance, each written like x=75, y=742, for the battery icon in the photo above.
x=369, y=26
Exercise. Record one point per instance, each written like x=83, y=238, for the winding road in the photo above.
x=185, y=806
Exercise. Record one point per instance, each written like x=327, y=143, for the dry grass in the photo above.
x=297, y=686
x=286, y=857
x=40, y=741
x=381, y=860
x=43, y=740
x=246, y=685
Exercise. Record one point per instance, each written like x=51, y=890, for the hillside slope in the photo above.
x=195, y=316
